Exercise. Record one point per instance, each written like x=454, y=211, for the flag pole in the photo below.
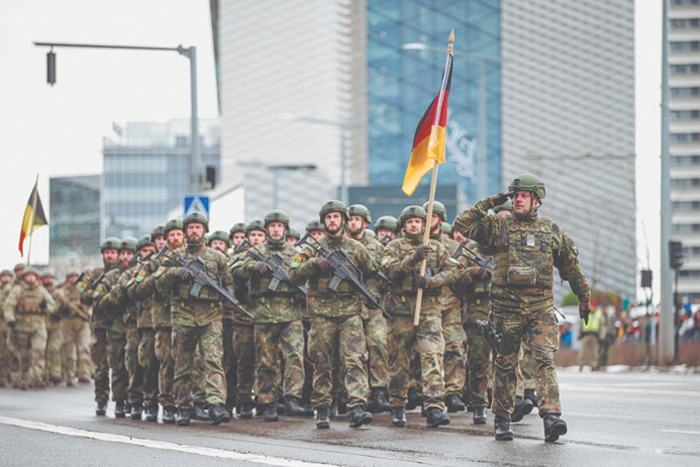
x=433, y=186
x=35, y=196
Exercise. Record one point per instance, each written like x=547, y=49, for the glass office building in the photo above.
x=74, y=210
x=403, y=81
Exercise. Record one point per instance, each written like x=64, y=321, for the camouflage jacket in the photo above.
x=69, y=293
x=376, y=251
x=144, y=314
x=472, y=290
x=27, y=305
x=99, y=320
x=110, y=304
x=241, y=288
x=187, y=309
x=449, y=302
x=144, y=289
x=401, y=269
x=524, y=255
x=5, y=290
x=269, y=306
x=122, y=299
x=320, y=299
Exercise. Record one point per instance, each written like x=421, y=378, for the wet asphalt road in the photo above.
x=614, y=419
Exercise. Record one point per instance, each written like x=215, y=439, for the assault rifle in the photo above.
x=338, y=260
x=137, y=258
x=197, y=267
x=99, y=278
x=385, y=240
x=275, y=263
x=482, y=262
x=72, y=307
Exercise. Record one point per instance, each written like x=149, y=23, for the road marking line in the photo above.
x=681, y=431
x=148, y=443
x=649, y=392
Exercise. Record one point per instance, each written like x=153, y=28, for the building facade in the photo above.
x=684, y=106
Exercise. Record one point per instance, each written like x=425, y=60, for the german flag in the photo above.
x=429, y=139
x=33, y=217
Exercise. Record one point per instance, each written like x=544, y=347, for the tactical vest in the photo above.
x=527, y=263
x=260, y=285
x=407, y=284
x=323, y=284
x=30, y=303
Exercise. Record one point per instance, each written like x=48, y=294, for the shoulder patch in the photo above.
x=296, y=261
x=385, y=260
x=140, y=275
x=574, y=248
x=81, y=287
x=160, y=271
x=452, y=260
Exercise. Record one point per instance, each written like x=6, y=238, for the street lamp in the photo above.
x=195, y=182
x=344, y=126
x=482, y=188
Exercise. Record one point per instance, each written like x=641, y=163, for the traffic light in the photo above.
x=646, y=278
x=211, y=177
x=676, y=255
x=51, y=68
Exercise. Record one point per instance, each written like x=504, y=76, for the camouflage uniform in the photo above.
x=243, y=335
x=76, y=335
x=336, y=320
x=5, y=353
x=402, y=270
x=54, y=339
x=26, y=306
x=521, y=295
x=526, y=371
x=277, y=327
x=196, y=323
x=99, y=346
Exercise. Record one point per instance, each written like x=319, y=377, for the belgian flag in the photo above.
x=429, y=139
x=34, y=217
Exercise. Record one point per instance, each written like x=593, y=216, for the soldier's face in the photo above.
x=333, y=221
x=505, y=212
x=413, y=225
x=458, y=236
x=5, y=278
x=435, y=220
x=256, y=237
x=145, y=251
x=381, y=233
x=110, y=256
x=276, y=230
x=238, y=238
x=291, y=240
x=126, y=255
x=317, y=234
x=218, y=245
x=356, y=224
x=29, y=278
x=176, y=237
x=47, y=281
x=195, y=231
x=71, y=278
x=160, y=242
x=521, y=202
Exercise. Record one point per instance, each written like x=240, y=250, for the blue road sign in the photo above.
x=197, y=203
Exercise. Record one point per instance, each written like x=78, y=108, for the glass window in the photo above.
x=685, y=92
x=685, y=46
x=687, y=23
x=685, y=114
x=685, y=182
x=685, y=137
x=685, y=160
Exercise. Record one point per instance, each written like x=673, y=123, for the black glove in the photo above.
x=263, y=268
x=497, y=200
x=421, y=253
x=423, y=282
x=12, y=324
x=323, y=264
x=484, y=272
x=371, y=305
x=584, y=309
x=185, y=274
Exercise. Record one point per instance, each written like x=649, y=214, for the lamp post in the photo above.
x=482, y=147
x=344, y=126
x=196, y=178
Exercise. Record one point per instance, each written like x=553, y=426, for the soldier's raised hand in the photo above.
x=497, y=200
x=422, y=253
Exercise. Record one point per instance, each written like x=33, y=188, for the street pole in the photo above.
x=482, y=145
x=666, y=321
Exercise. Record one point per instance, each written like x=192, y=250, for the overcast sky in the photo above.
x=58, y=131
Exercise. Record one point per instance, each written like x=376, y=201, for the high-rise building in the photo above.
x=145, y=173
x=539, y=86
x=684, y=106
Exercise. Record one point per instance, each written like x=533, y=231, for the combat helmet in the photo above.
x=531, y=183
x=47, y=272
x=277, y=215
x=332, y=206
x=507, y=206
x=196, y=217
x=128, y=244
x=158, y=231
x=175, y=224
x=412, y=211
x=30, y=270
x=292, y=232
x=255, y=225
x=145, y=241
x=360, y=210
x=446, y=228
x=314, y=225
x=386, y=222
x=219, y=235
x=5, y=272
x=370, y=233
x=238, y=227
x=111, y=243
x=438, y=208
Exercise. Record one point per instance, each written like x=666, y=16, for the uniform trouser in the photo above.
x=54, y=339
x=149, y=363
x=229, y=362
x=478, y=356
x=271, y=339
x=30, y=347
x=455, y=359
x=404, y=340
x=208, y=338
x=199, y=393
x=414, y=373
x=75, y=348
x=376, y=331
x=589, y=350
x=603, y=353
x=346, y=334
x=526, y=370
x=308, y=366
x=99, y=358
x=4, y=352
x=131, y=362
x=116, y=350
x=539, y=329
x=244, y=348
x=166, y=373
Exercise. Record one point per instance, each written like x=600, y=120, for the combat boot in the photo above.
x=380, y=404
x=502, y=428
x=342, y=404
x=522, y=407
x=436, y=417
x=229, y=407
x=398, y=417
x=184, y=417
x=480, y=416
x=101, y=408
x=554, y=427
x=532, y=395
x=270, y=412
x=152, y=412
x=357, y=416
x=333, y=410
x=279, y=406
x=120, y=410
x=454, y=403
x=136, y=411
x=308, y=409
x=413, y=399
x=322, y=418
x=200, y=412
x=246, y=410
x=69, y=383
x=169, y=415
x=218, y=415
x=293, y=408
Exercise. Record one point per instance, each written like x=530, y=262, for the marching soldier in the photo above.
x=5, y=354
x=385, y=228
x=75, y=327
x=54, y=337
